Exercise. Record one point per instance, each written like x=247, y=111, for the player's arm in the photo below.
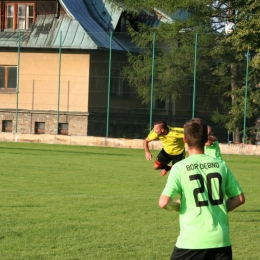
x=166, y=202
x=235, y=202
x=148, y=155
x=211, y=140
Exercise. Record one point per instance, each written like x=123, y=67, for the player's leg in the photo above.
x=177, y=158
x=162, y=162
x=189, y=254
x=221, y=253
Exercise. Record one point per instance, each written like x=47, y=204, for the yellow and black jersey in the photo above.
x=172, y=142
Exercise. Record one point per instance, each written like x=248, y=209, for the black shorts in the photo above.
x=166, y=158
x=221, y=253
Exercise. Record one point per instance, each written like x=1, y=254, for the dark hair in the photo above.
x=196, y=133
x=210, y=131
x=161, y=122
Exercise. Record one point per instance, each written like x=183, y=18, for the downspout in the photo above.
x=57, y=14
x=2, y=17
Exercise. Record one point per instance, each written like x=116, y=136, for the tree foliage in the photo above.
x=222, y=59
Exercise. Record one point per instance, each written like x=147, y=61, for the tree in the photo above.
x=222, y=60
x=231, y=51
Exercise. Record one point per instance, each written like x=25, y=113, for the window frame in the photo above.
x=119, y=87
x=38, y=129
x=6, y=79
x=5, y=127
x=161, y=104
x=63, y=131
x=15, y=15
x=115, y=82
x=126, y=88
x=125, y=21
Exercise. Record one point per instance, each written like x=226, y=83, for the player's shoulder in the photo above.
x=176, y=129
x=203, y=160
x=183, y=163
x=152, y=135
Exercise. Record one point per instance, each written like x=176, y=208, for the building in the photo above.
x=58, y=62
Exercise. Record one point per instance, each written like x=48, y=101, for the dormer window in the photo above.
x=125, y=21
x=19, y=16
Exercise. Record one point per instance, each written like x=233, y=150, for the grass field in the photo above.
x=90, y=203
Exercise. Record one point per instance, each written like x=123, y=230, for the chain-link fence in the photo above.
x=86, y=91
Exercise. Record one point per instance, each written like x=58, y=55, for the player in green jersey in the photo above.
x=208, y=190
x=173, y=146
x=212, y=146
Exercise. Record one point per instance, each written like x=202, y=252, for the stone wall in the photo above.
x=244, y=149
x=77, y=122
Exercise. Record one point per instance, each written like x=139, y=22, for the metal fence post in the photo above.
x=18, y=79
x=245, y=107
x=109, y=82
x=59, y=74
x=195, y=72
x=152, y=82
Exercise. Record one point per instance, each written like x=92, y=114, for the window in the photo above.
x=160, y=104
x=125, y=88
x=125, y=21
x=8, y=77
x=10, y=16
x=7, y=126
x=39, y=128
x=115, y=82
x=118, y=86
x=19, y=15
x=63, y=128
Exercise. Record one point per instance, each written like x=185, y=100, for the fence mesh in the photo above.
x=65, y=80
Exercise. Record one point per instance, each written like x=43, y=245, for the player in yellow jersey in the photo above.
x=173, y=146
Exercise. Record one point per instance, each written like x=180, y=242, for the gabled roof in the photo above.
x=46, y=34
x=84, y=24
x=97, y=25
x=155, y=18
x=47, y=31
x=11, y=39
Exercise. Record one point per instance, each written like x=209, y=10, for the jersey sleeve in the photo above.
x=232, y=186
x=217, y=148
x=153, y=136
x=172, y=186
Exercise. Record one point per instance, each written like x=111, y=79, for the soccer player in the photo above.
x=208, y=191
x=173, y=146
x=212, y=146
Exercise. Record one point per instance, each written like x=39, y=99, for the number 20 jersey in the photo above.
x=203, y=183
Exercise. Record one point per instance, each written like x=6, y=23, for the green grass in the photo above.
x=77, y=202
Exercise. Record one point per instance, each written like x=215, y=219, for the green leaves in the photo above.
x=221, y=59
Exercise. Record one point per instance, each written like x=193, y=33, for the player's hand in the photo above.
x=178, y=203
x=148, y=156
x=211, y=140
